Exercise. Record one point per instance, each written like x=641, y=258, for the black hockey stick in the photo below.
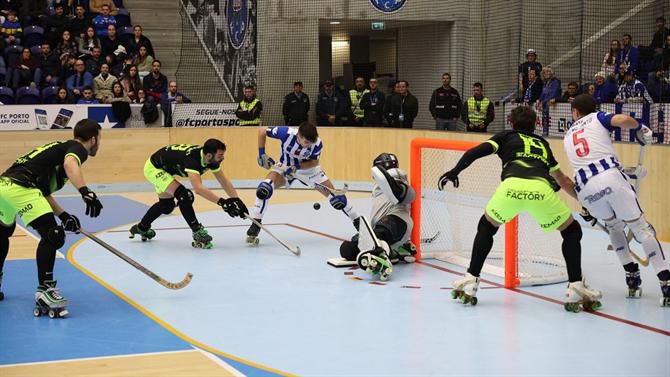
x=430, y=239
x=132, y=262
x=293, y=249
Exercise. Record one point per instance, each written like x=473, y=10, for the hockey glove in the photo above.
x=69, y=222
x=586, y=215
x=93, y=205
x=447, y=177
x=338, y=201
x=644, y=135
x=263, y=160
x=234, y=207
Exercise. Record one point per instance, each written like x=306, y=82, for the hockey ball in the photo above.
x=317, y=206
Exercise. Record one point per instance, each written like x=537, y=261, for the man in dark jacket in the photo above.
x=372, y=104
x=403, y=107
x=296, y=106
x=331, y=106
x=48, y=65
x=445, y=105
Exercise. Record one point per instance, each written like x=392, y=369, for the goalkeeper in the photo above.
x=530, y=178
x=385, y=239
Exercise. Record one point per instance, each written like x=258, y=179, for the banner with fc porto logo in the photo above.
x=388, y=6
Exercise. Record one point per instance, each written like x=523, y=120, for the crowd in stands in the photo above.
x=74, y=51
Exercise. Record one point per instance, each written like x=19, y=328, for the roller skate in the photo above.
x=145, y=235
x=202, y=239
x=252, y=233
x=49, y=301
x=406, y=253
x=465, y=290
x=665, y=288
x=2, y=295
x=633, y=281
x=580, y=297
x=375, y=262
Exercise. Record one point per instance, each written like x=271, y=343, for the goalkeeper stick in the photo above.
x=144, y=270
x=293, y=249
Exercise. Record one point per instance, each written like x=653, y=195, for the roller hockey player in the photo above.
x=387, y=234
x=26, y=189
x=530, y=178
x=604, y=190
x=185, y=160
x=300, y=150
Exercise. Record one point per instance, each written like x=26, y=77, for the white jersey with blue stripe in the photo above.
x=589, y=147
x=291, y=151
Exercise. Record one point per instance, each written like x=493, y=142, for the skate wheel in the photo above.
x=383, y=277
x=596, y=305
x=2, y=296
x=144, y=239
x=473, y=301
x=37, y=312
x=455, y=294
x=131, y=236
x=463, y=299
x=63, y=313
x=664, y=301
x=573, y=307
x=52, y=313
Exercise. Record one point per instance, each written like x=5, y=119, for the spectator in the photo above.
x=355, y=95
x=122, y=62
x=63, y=97
x=610, y=61
x=591, y=89
x=155, y=84
x=373, y=105
x=445, y=105
x=87, y=97
x=658, y=40
x=138, y=40
x=48, y=66
x=23, y=72
x=89, y=41
x=141, y=97
x=632, y=90
x=568, y=95
x=67, y=45
x=530, y=64
x=144, y=61
x=534, y=90
x=175, y=96
x=80, y=22
x=131, y=82
x=102, y=84
x=11, y=30
x=32, y=11
x=118, y=94
x=551, y=90
x=250, y=108
x=628, y=57
x=79, y=80
x=296, y=106
x=94, y=61
x=403, y=108
x=103, y=20
x=98, y=6
x=478, y=111
x=662, y=60
x=331, y=106
x=659, y=86
x=56, y=24
x=66, y=67
x=7, y=6
x=110, y=42
x=605, y=88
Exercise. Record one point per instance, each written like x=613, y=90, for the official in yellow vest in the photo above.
x=250, y=108
x=478, y=110
x=355, y=97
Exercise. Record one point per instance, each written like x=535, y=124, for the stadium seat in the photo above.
x=49, y=94
x=27, y=95
x=33, y=36
x=7, y=95
x=12, y=53
x=36, y=50
x=125, y=33
x=118, y=3
x=3, y=75
x=123, y=18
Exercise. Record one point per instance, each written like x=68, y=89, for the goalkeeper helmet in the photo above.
x=386, y=160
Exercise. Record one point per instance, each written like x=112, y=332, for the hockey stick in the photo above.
x=643, y=262
x=293, y=249
x=186, y=281
x=430, y=239
x=323, y=188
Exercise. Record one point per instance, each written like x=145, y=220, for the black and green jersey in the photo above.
x=524, y=155
x=42, y=168
x=181, y=159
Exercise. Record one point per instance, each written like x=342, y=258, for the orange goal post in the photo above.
x=445, y=222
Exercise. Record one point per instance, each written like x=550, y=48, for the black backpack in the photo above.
x=149, y=112
x=121, y=110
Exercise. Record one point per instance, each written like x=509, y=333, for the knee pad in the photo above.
x=614, y=225
x=390, y=229
x=7, y=230
x=349, y=250
x=573, y=231
x=184, y=195
x=338, y=201
x=641, y=229
x=166, y=206
x=54, y=237
x=264, y=190
x=486, y=227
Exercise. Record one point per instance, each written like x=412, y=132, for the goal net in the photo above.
x=445, y=222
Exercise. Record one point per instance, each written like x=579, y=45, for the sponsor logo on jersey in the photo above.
x=598, y=195
x=552, y=223
x=25, y=209
x=524, y=195
x=388, y=6
x=237, y=16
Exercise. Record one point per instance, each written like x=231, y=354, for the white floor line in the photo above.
x=94, y=358
x=58, y=253
x=220, y=362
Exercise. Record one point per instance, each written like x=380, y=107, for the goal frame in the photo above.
x=511, y=243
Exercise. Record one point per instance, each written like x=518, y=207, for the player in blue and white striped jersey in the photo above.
x=300, y=151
